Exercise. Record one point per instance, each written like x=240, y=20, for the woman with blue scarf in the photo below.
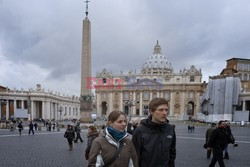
x=113, y=149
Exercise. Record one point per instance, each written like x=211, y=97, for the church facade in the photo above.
x=131, y=92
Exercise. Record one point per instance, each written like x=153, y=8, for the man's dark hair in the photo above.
x=156, y=102
x=220, y=122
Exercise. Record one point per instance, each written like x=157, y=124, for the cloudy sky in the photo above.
x=40, y=40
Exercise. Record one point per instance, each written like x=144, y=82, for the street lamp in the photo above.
x=60, y=110
x=130, y=103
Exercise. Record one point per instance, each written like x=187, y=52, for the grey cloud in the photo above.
x=48, y=33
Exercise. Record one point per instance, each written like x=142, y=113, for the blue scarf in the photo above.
x=117, y=135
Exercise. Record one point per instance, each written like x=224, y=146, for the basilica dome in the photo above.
x=157, y=63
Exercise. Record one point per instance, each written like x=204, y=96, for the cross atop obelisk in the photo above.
x=87, y=7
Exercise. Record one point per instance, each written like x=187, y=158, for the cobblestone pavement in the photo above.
x=50, y=149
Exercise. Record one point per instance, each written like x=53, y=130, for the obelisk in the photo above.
x=86, y=95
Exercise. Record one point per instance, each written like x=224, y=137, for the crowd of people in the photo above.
x=152, y=142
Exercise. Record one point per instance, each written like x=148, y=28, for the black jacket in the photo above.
x=70, y=134
x=219, y=138
x=155, y=144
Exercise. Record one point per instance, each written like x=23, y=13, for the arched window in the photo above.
x=191, y=78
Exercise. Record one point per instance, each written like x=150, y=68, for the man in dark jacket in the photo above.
x=154, y=139
x=218, y=141
x=31, y=128
x=78, y=131
x=208, y=134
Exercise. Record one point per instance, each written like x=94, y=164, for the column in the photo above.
x=43, y=111
x=56, y=111
x=157, y=94
x=32, y=110
x=7, y=109
x=22, y=104
x=134, y=103
x=121, y=101
x=14, y=108
x=48, y=110
x=244, y=106
x=151, y=95
x=171, y=104
x=141, y=114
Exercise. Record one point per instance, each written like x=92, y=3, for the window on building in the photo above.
x=18, y=104
x=191, y=78
x=69, y=110
x=245, y=67
x=25, y=103
x=154, y=95
x=240, y=67
x=104, y=80
x=191, y=94
x=126, y=95
x=65, y=109
x=166, y=95
x=177, y=79
x=146, y=96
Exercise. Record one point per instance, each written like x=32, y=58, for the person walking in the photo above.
x=78, y=131
x=12, y=126
x=53, y=126
x=113, y=149
x=92, y=134
x=31, y=128
x=208, y=134
x=20, y=128
x=155, y=139
x=70, y=135
x=231, y=140
x=218, y=141
x=35, y=125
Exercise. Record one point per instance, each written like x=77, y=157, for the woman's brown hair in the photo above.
x=92, y=128
x=114, y=115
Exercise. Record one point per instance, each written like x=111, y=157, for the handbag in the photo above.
x=66, y=134
x=118, y=150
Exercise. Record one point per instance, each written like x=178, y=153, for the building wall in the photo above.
x=40, y=104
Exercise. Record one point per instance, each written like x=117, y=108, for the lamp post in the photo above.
x=60, y=110
x=130, y=103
